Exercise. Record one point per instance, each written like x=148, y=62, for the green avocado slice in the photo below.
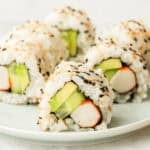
x=110, y=73
x=70, y=37
x=109, y=64
x=70, y=105
x=57, y=100
x=19, y=78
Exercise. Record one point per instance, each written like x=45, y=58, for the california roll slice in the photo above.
x=133, y=33
x=124, y=68
x=75, y=28
x=22, y=76
x=75, y=99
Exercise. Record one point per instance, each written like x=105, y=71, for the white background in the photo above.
x=13, y=12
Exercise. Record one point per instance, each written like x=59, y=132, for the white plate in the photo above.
x=20, y=121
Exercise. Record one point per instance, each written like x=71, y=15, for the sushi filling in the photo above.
x=70, y=102
x=121, y=77
x=14, y=78
x=70, y=36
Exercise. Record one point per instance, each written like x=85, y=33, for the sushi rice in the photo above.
x=35, y=36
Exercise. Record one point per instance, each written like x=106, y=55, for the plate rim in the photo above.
x=74, y=136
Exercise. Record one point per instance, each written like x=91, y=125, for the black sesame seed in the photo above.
x=86, y=31
x=104, y=89
x=39, y=60
x=4, y=49
x=77, y=72
x=145, y=66
x=81, y=23
x=87, y=73
x=73, y=9
x=47, y=73
x=141, y=60
x=40, y=69
x=93, y=45
x=42, y=91
x=86, y=60
x=28, y=103
x=145, y=40
x=131, y=44
x=135, y=39
x=52, y=35
x=79, y=65
x=99, y=38
x=78, y=32
x=101, y=95
x=87, y=81
x=146, y=51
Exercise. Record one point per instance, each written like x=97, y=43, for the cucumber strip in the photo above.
x=19, y=78
x=73, y=43
x=70, y=37
x=110, y=73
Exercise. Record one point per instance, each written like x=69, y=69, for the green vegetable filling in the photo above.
x=110, y=67
x=70, y=37
x=65, y=101
x=19, y=78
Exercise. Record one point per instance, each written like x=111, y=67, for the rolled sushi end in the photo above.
x=77, y=97
x=70, y=36
x=69, y=102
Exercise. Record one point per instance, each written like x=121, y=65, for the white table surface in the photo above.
x=16, y=11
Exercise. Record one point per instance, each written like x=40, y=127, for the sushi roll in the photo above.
x=75, y=28
x=37, y=38
x=21, y=80
x=133, y=33
x=124, y=68
x=71, y=94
